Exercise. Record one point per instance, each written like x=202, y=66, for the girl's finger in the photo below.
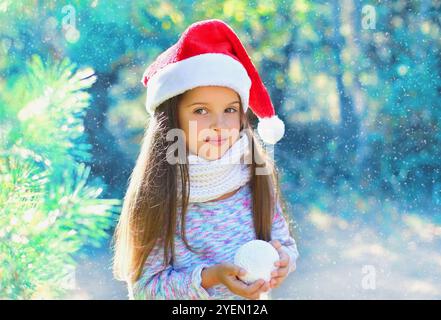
x=244, y=291
x=274, y=283
x=241, y=286
x=282, y=272
x=283, y=263
x=255, y=296
x=263, y=288
x=266, y=286
x=284, y=260
x=255, y=286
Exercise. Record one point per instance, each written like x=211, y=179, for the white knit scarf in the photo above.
x=210, y=179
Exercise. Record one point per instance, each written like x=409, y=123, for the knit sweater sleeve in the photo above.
x=159, y=281
x=280, y=231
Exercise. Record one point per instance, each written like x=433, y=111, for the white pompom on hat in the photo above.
x=210, y=53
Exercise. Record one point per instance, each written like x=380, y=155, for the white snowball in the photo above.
x=257, y=257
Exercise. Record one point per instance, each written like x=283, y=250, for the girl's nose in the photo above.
x=217, y=121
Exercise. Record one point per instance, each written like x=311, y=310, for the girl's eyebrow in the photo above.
x=189, y=105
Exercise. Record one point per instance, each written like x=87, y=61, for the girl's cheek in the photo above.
x=233, y=121
x=193, y=128
x=195, y=134
x=203, y=129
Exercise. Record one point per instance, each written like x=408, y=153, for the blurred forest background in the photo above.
x=357, y=83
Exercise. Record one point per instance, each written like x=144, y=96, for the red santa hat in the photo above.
x=210, y=53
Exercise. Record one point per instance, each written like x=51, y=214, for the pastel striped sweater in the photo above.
x=216, y=229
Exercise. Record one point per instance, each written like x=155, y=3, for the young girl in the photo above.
x=184, y=217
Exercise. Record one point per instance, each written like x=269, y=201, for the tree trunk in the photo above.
x=109, y=163
x=349, y=126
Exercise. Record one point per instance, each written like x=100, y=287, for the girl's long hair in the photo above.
x=150, y=208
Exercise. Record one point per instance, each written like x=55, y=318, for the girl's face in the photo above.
x=210, y=118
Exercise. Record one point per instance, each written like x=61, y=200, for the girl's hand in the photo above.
x=279, y=275
x=228, y=273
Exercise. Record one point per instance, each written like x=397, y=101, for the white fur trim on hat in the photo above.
x=202, y=70
x=271, y=129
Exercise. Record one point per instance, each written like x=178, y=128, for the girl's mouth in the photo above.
x=216, y=142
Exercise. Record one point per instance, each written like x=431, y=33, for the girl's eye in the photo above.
x=198, y=111
x=202, y=111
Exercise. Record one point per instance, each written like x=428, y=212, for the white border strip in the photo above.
x=206, y=69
